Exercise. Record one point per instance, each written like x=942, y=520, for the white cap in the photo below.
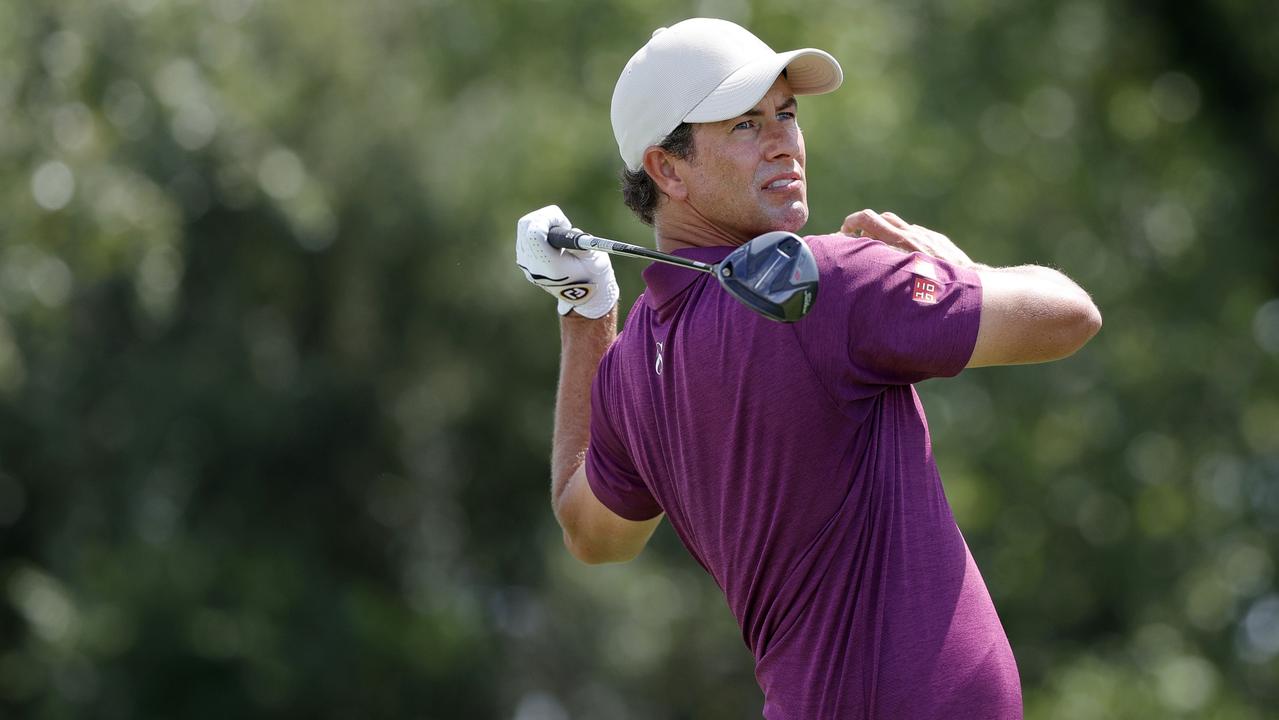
x=705, y=70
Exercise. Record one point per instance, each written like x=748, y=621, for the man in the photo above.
x=793, y=460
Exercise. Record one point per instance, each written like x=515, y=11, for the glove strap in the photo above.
x=575, y=294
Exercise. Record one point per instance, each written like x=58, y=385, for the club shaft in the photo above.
x=575, y=239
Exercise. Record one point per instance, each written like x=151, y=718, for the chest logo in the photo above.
x=657, y=367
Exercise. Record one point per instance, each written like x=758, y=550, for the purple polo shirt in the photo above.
x=795, y=465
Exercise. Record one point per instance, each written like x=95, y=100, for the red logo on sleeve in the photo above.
x=925, y=291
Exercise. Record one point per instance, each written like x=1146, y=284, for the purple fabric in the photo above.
x=795, y=465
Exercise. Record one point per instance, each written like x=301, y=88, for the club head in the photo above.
x=774, y=274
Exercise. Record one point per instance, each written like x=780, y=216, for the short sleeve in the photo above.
x=609, y=469
x=884, y=317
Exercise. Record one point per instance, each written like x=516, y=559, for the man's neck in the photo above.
x=685, y=227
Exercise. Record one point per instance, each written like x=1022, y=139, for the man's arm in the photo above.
x=592, y=532
x=586, y=292
x=1029, y=314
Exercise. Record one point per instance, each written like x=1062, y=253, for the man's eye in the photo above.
x=786, y=116
x=744, y=125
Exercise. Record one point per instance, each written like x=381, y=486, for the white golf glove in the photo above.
x=581, y=280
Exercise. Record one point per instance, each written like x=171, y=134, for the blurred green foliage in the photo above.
x=275, y=403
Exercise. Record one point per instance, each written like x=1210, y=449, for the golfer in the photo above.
x=793, y=460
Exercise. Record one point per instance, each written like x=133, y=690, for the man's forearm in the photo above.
x=582, y=344
x=1041, y=273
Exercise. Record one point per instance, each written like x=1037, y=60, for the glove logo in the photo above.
x=576, y=293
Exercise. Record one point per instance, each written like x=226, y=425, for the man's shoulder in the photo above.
x=631, y=330
x=841, y=245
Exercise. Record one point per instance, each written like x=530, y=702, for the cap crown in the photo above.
x=703, y=70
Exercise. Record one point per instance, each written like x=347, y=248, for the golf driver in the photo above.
x=774, y=274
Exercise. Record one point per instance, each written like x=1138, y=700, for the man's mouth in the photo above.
x=783, y=182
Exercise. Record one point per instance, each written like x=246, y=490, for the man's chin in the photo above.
x=791, y=219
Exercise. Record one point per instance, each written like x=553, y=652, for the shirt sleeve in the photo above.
x=610, y=471
x=885, y=317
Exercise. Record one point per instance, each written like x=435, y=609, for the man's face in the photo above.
x=747, y=173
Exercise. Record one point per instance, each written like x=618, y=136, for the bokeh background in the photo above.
x=275, y=403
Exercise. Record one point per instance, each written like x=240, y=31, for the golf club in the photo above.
x=774, y=274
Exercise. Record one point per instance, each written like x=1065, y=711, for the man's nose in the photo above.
x=781, y=140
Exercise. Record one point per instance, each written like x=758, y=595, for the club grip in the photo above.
x=565, y=238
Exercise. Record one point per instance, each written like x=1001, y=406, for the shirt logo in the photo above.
x=925, y=291
x=657, y=367
x=927, y=288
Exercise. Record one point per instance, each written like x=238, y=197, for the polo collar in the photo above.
x=666, y=282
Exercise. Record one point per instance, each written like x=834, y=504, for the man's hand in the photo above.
x=581, y=280
x=892, y=230
x=1028, y=314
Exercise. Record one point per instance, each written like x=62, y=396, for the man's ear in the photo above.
x=662, y=168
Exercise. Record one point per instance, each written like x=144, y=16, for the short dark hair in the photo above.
x=638, y=189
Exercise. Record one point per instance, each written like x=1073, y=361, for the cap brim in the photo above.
x=810, y=72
